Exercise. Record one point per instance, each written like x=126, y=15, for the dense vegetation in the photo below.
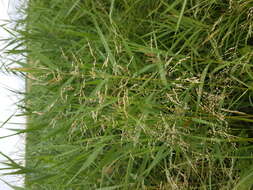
x=138, y=94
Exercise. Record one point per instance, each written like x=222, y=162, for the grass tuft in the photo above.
x=137, y=94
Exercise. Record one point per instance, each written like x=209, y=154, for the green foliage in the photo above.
x=131, y=94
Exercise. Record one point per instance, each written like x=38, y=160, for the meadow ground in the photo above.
x=133, y=94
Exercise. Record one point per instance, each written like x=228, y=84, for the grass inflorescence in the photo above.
x=133, y=94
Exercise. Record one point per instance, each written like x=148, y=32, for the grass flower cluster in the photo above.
x=138, y=94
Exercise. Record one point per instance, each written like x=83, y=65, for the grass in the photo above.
x=131, y=94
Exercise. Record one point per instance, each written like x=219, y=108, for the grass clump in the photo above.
x=138, y=94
